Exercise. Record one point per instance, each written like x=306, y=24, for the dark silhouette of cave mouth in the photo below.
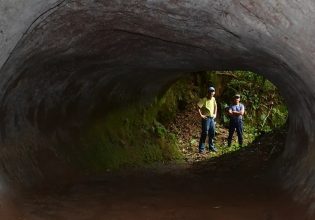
x=78, y=60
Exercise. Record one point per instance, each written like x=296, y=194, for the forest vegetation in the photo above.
x=167, y=129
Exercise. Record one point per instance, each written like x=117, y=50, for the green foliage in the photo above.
x=135, y=139
x=265, y=108
x=175, y=99
x=136, y=135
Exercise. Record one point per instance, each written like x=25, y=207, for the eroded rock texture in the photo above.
x=66, y=62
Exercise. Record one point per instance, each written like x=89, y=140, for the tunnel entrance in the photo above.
x=265, y=111
x=230, y=185
x=167, y=128
x=65, y=64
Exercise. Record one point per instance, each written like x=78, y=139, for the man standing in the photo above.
x=208, y=111
x=236, y=112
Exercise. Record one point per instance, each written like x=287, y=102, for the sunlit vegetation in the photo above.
x=168, y=129
x=265, y=108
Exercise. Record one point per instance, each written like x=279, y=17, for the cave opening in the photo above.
x=265, y=109
x=65, y=64
x=234, y=184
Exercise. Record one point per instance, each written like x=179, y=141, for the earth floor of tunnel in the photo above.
x=167, y=192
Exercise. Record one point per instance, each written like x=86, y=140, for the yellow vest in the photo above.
x=207, y=106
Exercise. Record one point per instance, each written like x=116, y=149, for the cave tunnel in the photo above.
x=64, y=64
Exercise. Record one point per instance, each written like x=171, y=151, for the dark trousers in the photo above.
x=208, y=129
x=236, y=124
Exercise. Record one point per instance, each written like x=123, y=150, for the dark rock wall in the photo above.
x=68, y=62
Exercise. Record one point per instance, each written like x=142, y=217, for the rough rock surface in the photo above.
x=64, y=62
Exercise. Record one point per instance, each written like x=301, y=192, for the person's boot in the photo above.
x=202, y=148
x=213, y=148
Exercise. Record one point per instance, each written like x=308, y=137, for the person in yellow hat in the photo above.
x=207, y=108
